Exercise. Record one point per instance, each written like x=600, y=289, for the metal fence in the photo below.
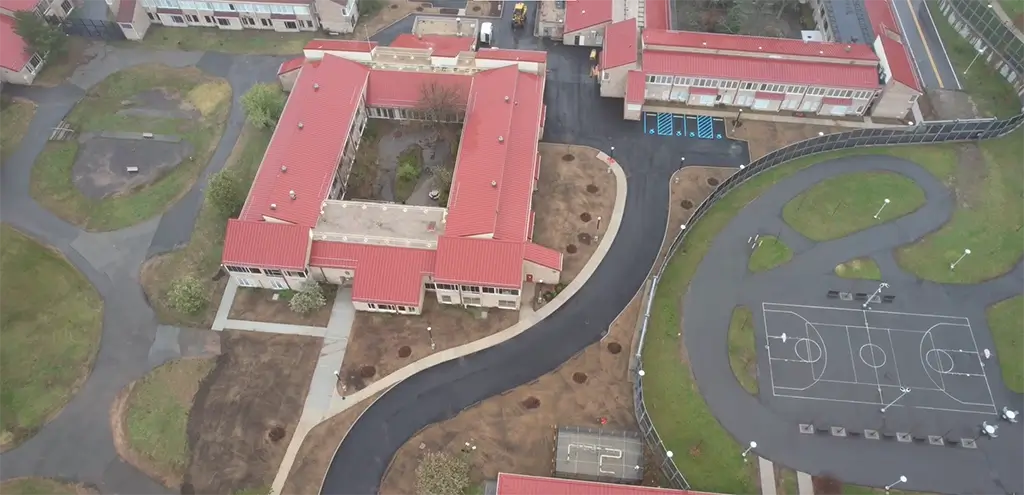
x=924, y=133
x=993, y=37
x=90, y=28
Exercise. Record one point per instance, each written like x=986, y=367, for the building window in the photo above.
x=192, y=18
x=223, y=22
x=402, y=309
x=507, y=304
x=221, y=7
x=429, y=286
x=508, y=292
x=470, y=288
x=208, y=19
x=446, y=287
x=248, y=22
x=235, y=269
x=246, y=282
x=66, y=6
x=749, y=86
x=203, y=6
x=187, y=5
x=309, y=24
x=471, y=301
x=125, y=25
x=300, y=10
x=246, y=7
x=273, y=273
x=151, y=16
x=489, y=290
x=262, y=9
x=295, y=274
x=446, y=299
x=265, y=22
x=290, y=25
x=277, y=284
x=177, y=19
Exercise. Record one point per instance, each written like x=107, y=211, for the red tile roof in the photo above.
x=16, y=5
x=341, y=45
x=512, y=55
x=384, y=274
x=323, y=102
x=442, y=46
x=656, y=14
x=636, y=86
x=760, y=70
x=882, y=19
x=758, y=44
x=542, y=256
x=518, y=484
x=619, y=44
x=281, y=245
x=583, y=14
x=405, y=89
x=288, y=65
x=472, y=261
x=13, y=54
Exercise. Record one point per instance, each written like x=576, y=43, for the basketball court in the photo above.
x=881, y=358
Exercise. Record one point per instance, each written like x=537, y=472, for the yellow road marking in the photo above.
x=924, y=41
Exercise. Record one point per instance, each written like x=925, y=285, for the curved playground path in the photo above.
x=721, y=282
x=78, y=444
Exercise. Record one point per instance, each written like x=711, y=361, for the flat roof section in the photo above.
x=445, y=26
x=398, y=225
x=593, y=454
x=849, y=21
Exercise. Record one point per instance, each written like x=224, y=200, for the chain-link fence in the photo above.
x=929, y=132
x=991, y=35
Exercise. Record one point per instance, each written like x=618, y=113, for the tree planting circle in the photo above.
x=614, y=347
x=584, y=238
x=531, y=402
x=397, y=133
x=476, y=8
x=579, y=377
x=568, y=157
x=712, y=181
x=591, y=188
x=583, y=216
x=686, y=204
x=571, y=249
x=394, y=6
x=367, y=371
x=404, y=351
x=276, y=433
x=188, y=489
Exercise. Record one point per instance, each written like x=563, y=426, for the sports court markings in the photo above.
x=876, y=357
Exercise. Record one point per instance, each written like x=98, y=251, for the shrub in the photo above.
x=309, y=298
x=226, y=193
x=441, y=473
x=408, y=172
x=39, y=35
x=263, y=104
x=369, y=7
x=187, y=295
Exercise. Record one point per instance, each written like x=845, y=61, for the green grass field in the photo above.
x=250, y=41
x=41, y=486
x=1007, y=327
x=769, y=253
x=742, y=352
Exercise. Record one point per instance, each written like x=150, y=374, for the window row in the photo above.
x=265, y=271
x=414, y=114
x=472, y=288
x=392, y=307
x=256, y=8
x=753, y=86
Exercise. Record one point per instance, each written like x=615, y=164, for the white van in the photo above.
x=486, y=30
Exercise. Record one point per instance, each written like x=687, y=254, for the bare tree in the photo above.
x=440, y=103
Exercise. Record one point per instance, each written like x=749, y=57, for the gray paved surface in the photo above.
x=77, y=444
x=772, y=421
x=929, y=55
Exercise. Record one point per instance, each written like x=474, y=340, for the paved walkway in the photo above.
x=804, y=483
x=766, y=470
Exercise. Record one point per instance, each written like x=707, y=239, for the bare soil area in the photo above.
x=573, y=203
x=259, y=305
x=763, y=137
x=246, y=411
x=483, y=8
x=382, y=343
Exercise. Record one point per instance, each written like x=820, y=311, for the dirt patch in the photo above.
x=945, y=104
x=567, y=189
x=969, y=184
x=395, y=11
x=259, y=305
x=404, y=351
x=377, y=338
x=101, y=165
x=763, y=137
x=585, y=217
x=614, y=347
x=254, y=396
x=686, y=204
x=712, y=181
x=317, y=450
x=775, y=19
x=484, y=8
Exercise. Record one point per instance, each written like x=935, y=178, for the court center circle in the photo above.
x=939, y=360
x=872, y=355
x=807, y=350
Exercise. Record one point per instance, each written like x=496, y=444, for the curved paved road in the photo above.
x=772, y=421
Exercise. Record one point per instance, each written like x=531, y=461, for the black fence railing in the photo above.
x=993, y=37
x=90, y=28
x=924, y=133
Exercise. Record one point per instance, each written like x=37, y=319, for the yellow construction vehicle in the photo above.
x=519, y=15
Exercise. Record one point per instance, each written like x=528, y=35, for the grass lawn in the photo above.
x=52, y=183
x=839, y=206
x=769, y=253
x=742, y=352
x=251, y=41
x=201, y=257
x=48, y=348
x=410, y=167
x=41, y=486
x=785, y=481
x=15, y=116
x=157, y=413
x=1004, y=321
x=58, y=69
x=860, y=268
x=989, y=90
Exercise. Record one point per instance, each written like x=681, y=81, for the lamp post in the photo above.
x=753, y=445
x=430, y=335
x=958, y=260
x=981, y=51
x=736, y=121
x=611, y=152
x=903, y=479
x=879, y=212
x=598, y=223
x=682, y=161
x=881, y=286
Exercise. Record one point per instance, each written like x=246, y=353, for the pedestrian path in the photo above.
x=767, y=472
x=804, y=483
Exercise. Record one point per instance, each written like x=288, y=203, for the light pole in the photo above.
x=682, y=161
x=668, y=458
x=753, y=445
x=612, y=152
x=881, y=286
x=879, y=212
x=641, y=373
x=903, y=479
x=598, y=223
x=430, y=335
x=981, y=51
x=736, y=123
x=958, y=260
x=905, y=390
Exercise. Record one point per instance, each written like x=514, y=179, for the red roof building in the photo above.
x=519, y=484
x=620, y=44
x=897, y=56
x=656, y=14
x=13, y=50
x=731, y=44
x=586, y=14
x=761, y=70
x=440, y=46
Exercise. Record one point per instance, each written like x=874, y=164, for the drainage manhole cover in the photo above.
x=583, y=216
x=686, y=204
x=276, y=433
x=476, y=8
x=367, y=371
x=571, y=249
x=712, y=181
x=396, y=134
x=531, y=403
x=584, y=238
x=614, y=347
x=568, y=157
x=579, y=377
x=592, y=189
x=404, y=351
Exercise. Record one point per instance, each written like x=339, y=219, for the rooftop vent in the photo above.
x=316, y=86
x=494, y=183
x=501, y=139
x=273, y=206
x=284, y=168
x=506, y=99
x=759, y=48
x=432, y=226
x=705, y=43
x=291, y=194
x=300, y=125
x=848, y=48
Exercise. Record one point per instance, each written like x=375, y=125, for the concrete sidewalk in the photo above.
x=767, y=471
x=340, y=403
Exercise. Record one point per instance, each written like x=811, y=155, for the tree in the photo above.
x=308, y=299
x=226, y=192
x=39, y=35
x=263, y=104
x=441, y=473
x=187, y=295
x=408, y=172
x=440, y=103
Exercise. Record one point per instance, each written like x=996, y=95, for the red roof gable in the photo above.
x=900, y=65
x=512, y=55
x=758, y=44
x=656, y=14
x=290, y=65
x=384, y=274
x=16, y=5
x=266, y=245
x=636, y=87
x=542, y=256
x=306, y=147
x=582, y=14
x=405, y=89
x=619, y=44
x=467, y=260
x=13, y=53
x=126, y=11
x=760, y=70
x=442, y=46
x=518, y=484
x=341, y=45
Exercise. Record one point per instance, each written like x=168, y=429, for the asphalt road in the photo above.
x=926, y=48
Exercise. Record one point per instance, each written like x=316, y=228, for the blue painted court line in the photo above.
x=650, y=123
x=664, y=124
x=705, y=128
x=691, y=126
x=680, y=125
